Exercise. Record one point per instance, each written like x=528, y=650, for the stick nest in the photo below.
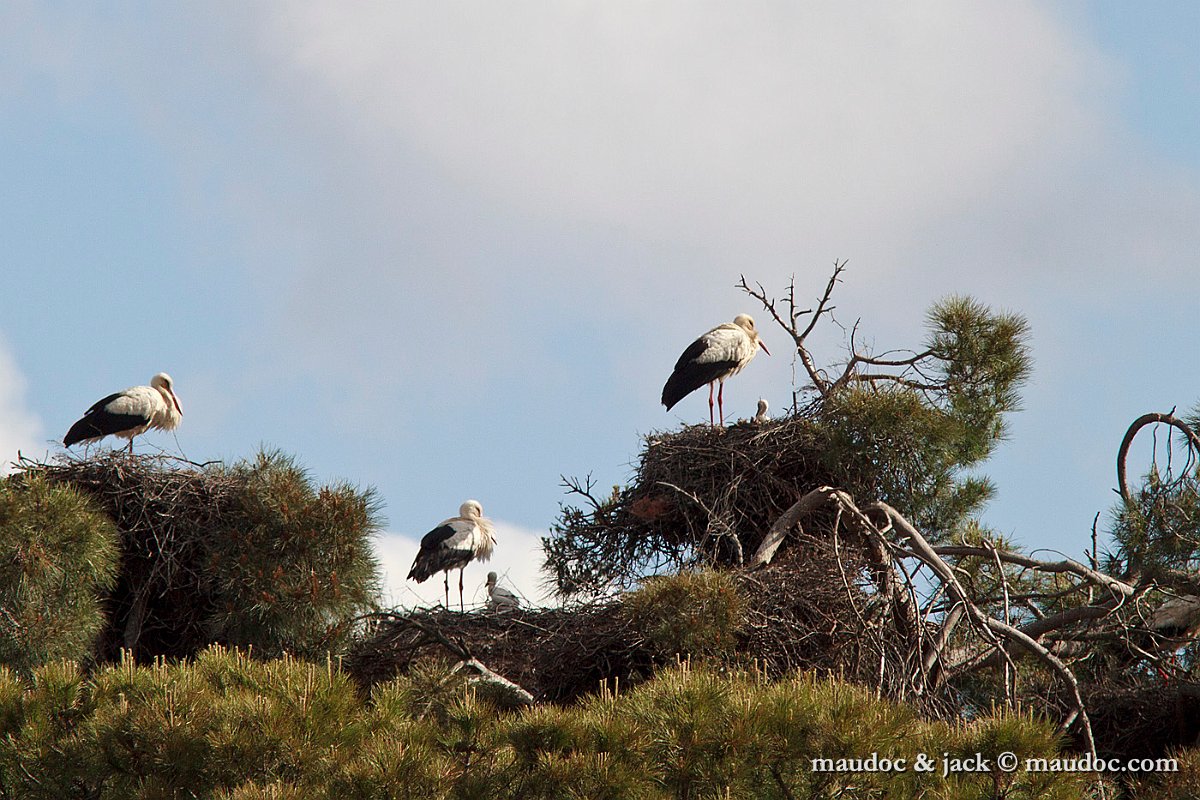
x=164, y=510
x=252, y=555
x=801, y=612
x=700, y=496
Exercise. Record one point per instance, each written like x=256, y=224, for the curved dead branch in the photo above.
x=1131, y=434
x=789, y=519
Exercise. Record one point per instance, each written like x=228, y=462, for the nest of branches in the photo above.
x=1144, y=721
x=251, y=555
x=719, y=489
x=701, y=495
x=555, y=654
x=163, y=509
x=809, y=609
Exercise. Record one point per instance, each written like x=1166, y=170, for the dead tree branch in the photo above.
x=927, y=555
x=1139, y=423
x=997, y=634
x=792, y=323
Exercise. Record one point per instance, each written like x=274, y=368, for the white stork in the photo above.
x=761, y=416
x=453, y=544
x=1174, y=625
x=717, y=355
x=129, y=413
x=499, y=598
x=1176, y=622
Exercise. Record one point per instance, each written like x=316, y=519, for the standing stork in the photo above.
x=129, y=413
x=717, y=355
x=453, y=544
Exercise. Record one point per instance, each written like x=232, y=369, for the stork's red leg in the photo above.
x=710, y=404
x=446, y=575
x=721, y=402
x=461, y=605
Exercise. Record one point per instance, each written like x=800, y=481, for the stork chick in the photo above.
x=761, y=416
x=499, y=598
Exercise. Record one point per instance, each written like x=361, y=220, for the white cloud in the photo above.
x=20, y=429
x=756, y=127
x=517, y=560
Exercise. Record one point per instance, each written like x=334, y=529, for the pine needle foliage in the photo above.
x=58, y=556
x=294, y=561
x=1160, y=531
x=228, y=726
x=690, y=614
x=1182, y=783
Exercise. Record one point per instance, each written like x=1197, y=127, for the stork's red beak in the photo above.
x=175, y=400
x=761, y=344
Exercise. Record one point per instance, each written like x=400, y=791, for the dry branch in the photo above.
x=1139, y=423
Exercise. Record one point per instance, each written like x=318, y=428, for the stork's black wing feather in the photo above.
x=436, y=536
x=99, y=405
x=433, y=557
x=693, y=352
x=97, y=422
x=690, y=376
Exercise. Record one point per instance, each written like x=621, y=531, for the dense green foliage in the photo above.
x=228, y=726
x=293, y=562
x=255, y=555
x=690, y=614
x=910, y=442
x=58, y=555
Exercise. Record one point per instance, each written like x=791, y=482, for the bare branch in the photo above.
x=1065, y=565
x=517, y=695
x=573, y=486
x=789, y=324
x=789, y=519
x=1127, y=441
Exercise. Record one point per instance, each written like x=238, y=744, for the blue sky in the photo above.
x=452, y=250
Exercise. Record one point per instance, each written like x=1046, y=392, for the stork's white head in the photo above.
x=762, y=407
x=746, y=323
x=471, y=510
x=162, y=381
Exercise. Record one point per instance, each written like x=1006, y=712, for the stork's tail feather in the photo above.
x=690, y=377
x=83, y=429
x=674, y=390
x=420, y=572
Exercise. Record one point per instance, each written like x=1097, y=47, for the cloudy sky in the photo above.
x=452, y=250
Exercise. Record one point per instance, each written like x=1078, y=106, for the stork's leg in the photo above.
x=130, y=445
x=721, y=402
x=446, y=575
x=710, y=404
x=461, y=605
